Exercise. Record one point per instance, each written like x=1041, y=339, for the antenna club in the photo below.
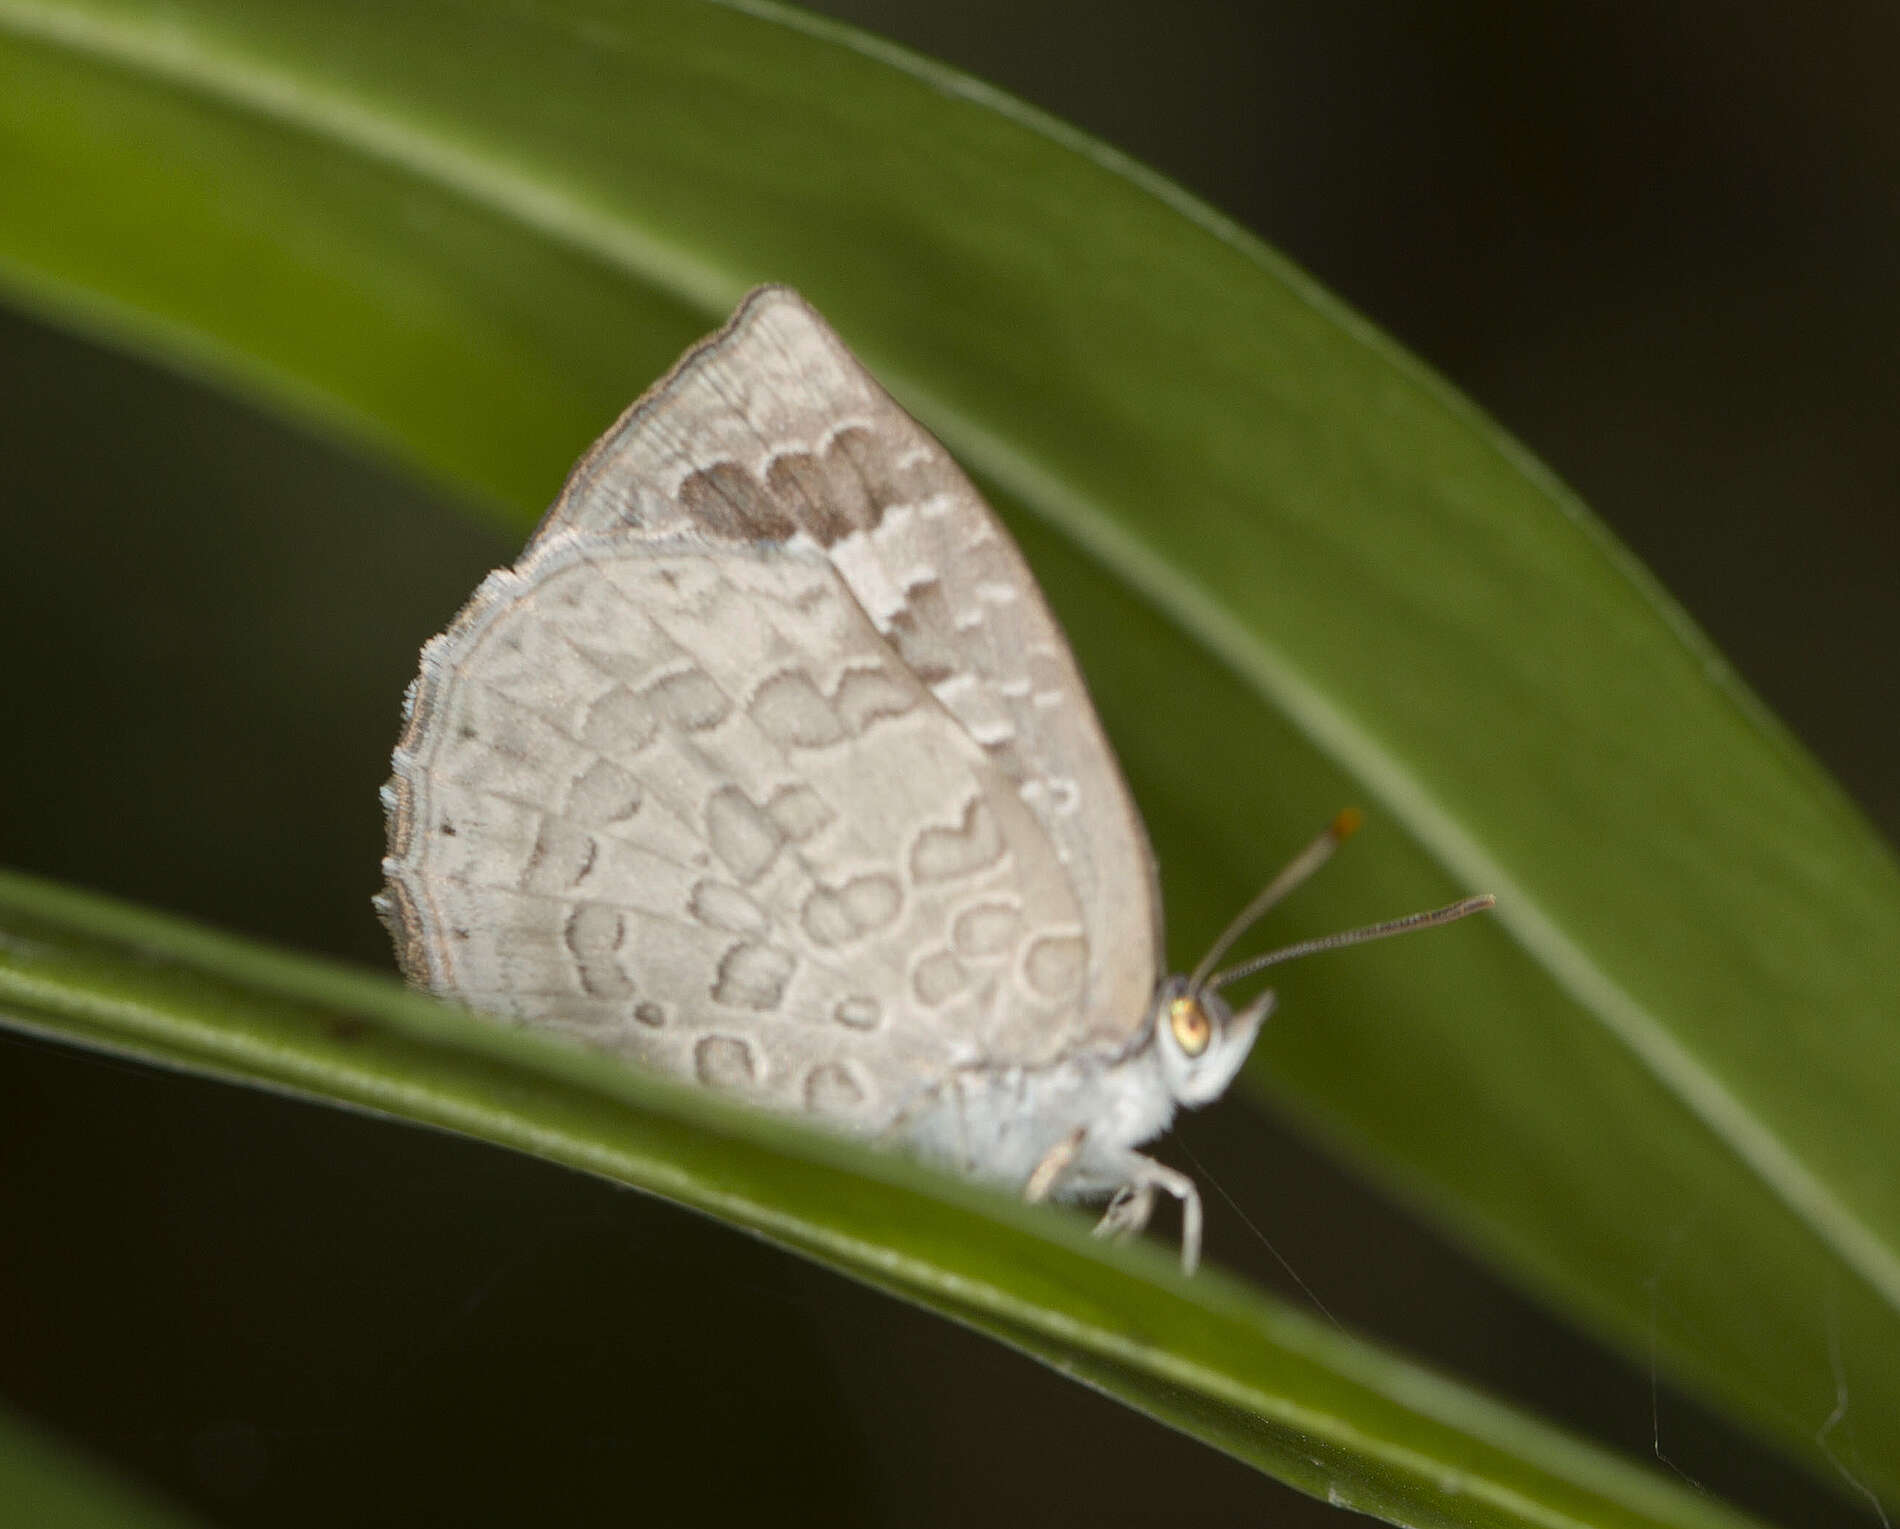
x=1348, y=823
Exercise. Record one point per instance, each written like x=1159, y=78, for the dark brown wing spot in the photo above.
x=728, y=502
x=865, y=456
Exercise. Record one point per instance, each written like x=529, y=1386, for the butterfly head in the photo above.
x=1201, y=1041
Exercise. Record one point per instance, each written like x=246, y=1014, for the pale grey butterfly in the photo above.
x=767, y=766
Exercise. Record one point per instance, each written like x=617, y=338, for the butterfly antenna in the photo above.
x=1365, y=936
x=1296, y=871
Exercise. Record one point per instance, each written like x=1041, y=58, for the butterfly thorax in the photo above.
x=998, y=1123
x=1001, y=1123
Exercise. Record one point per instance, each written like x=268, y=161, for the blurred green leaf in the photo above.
x=1298, y=570
x=47, y=1486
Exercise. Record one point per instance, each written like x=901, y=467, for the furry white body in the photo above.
x=1000, y=1125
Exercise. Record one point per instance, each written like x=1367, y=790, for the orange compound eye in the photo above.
x=1190, y=1024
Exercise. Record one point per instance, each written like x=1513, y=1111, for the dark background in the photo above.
x=1660, y=248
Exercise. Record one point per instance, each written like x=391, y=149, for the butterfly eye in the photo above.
x=1191, y=1026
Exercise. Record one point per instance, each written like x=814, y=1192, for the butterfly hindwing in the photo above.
x=767, y=763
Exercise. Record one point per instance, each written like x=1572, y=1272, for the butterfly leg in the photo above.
x=1134, y=1202
x=1055, y=1165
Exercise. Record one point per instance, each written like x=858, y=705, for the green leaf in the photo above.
x=1298, y=570
x=1316, y=1408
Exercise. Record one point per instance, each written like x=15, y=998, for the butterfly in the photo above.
x=767, y=766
